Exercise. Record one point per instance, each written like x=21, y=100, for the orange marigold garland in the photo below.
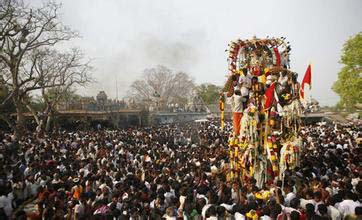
x=254, y=65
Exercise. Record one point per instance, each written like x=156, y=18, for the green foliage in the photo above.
x=209, y=93
x=57, y=95
x=349, y=83
x=37, y=104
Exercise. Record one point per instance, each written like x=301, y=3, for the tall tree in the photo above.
x=162, y=84
x=58, y=73
x=349, y=83
x=24, y=31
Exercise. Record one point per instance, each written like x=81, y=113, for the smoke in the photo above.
x=127, y=62
x=173, y=54
x=124, y=39
x=147, y=51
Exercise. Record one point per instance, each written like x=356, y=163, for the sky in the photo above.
x=124, y=37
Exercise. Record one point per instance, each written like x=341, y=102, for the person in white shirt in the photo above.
x=244, y=92
x=80, y=209
x=289, y=195
x=332, y=211
x=245, y=79
x=308, y=199
x=6, y=203
x=317, y=199
x=323, y=211
x=237, y=108
x=205, y=209
x=239, y=212
x=211, y=213
x=294, y=206
x=348, y=206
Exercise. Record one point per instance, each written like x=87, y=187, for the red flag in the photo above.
x=269, y=96
x=306, y=80
x=277, y=56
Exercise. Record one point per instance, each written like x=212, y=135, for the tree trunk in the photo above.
x=48, y=122
x=40, y=123
x=19, y=127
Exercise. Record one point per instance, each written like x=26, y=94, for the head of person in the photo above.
x=358, y=211
x=317, y=196
x=322, y=209
x=83, y=197
x=294, y=215
x=287, y=188
x=294, y=203
x=265, y=210
x=238, y=208
x=309, y=209
x=211, y=211
x=221, y=211
x=349, y=195
x=254, y=80
x=275, y=211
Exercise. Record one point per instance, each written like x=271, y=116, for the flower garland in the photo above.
x=240, y=57
x=253, y=153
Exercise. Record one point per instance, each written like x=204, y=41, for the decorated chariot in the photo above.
x=265, y=96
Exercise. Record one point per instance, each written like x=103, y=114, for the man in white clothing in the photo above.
x=348, y=206
x=6, y=204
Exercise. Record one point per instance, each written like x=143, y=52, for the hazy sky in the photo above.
x=125, y=37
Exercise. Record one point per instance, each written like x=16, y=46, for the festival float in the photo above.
x=265, y=97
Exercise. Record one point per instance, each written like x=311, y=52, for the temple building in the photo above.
x=99, y=103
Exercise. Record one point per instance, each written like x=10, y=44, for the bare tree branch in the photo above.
x=162, y=84
x=26, y=33
x=55, y=74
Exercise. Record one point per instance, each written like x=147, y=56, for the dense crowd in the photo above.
x=174, y=172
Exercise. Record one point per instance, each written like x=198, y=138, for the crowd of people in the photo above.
x=174, y=172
